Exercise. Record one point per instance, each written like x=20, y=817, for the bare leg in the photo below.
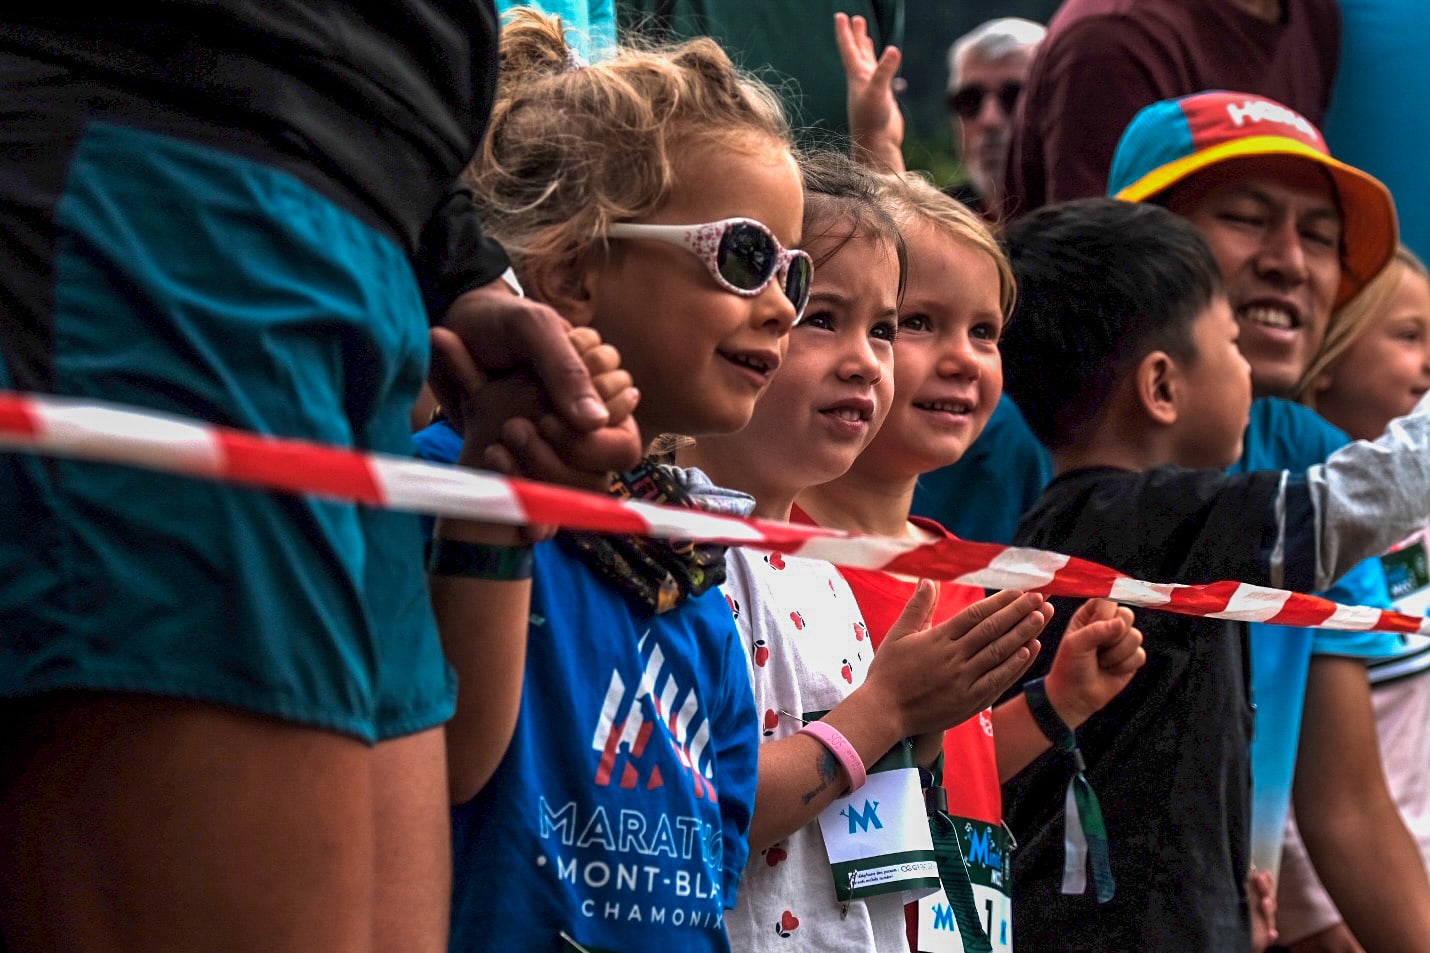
x=130, y=823
x=414, y=845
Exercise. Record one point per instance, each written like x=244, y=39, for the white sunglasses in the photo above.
x=741, y=254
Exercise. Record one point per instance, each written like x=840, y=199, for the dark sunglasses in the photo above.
x=742, y=255
x=967, y=101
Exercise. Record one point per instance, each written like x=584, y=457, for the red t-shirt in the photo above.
x=970, y=766
x=970, y=772
x=1103, y=60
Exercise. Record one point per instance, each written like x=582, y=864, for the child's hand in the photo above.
x=507, y=424
x=498, y=356
x=938, y=677
x=1098, y=655
x=549, y=449
x=1261, y=897
x=875, y=123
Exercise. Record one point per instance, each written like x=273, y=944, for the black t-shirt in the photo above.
x=1169, y=758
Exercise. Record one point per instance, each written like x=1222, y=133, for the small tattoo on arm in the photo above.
x=828, y=767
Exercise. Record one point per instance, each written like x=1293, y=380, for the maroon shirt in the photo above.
x=1103, y=60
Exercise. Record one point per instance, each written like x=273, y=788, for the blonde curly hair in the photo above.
x=571, y=149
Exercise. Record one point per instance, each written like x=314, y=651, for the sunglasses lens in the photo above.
x=797, y=282
x=1008, y=97
x=966, y=101
x=746, y=257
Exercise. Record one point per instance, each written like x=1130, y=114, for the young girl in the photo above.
x=653, y=198
x=807, y=645
x=1375, y=362
x=948, y=377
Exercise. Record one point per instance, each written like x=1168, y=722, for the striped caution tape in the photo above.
x=103, y=432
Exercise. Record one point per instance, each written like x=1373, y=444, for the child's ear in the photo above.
x=566, y=286
x=1157, y=387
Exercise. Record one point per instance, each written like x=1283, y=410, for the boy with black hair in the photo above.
x=1124, y=361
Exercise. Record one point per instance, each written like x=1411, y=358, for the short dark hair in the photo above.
x=843, y=201
x=1101, y=284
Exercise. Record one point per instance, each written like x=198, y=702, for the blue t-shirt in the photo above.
x=620, y=813
x=1287, y=436
x=1380, y=105
x=621, y=810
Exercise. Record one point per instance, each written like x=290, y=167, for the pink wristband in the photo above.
x=843, y=751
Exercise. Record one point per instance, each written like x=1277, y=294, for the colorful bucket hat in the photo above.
x=1171, y=140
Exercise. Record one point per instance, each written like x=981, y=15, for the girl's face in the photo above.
x=833, y=392
x=1386, y=371
x=700, y=354
x=948, y=375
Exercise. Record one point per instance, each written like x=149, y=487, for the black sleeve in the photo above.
x=453, y=256
x=1169, y=524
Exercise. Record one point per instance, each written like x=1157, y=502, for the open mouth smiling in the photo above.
x=1270, y=316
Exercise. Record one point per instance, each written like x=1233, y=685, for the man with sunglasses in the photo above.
x=986, y=70
x=1103, y=60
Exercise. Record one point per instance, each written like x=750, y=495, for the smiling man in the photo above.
x=1296, y=233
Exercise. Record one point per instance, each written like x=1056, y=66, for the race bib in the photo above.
x=985, y=854
x=878, y=837
x=1408, y=576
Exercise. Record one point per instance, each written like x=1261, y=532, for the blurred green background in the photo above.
x=930, y=27
x=790, y=43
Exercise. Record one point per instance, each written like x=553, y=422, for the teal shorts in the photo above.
x=190, y=280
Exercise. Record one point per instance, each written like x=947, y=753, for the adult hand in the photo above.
x=876, y=125
x=551, y=450
x=498, y=356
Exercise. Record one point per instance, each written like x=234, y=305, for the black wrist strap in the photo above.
x=1085, y=833
x=452, y=557
x=1049, y=722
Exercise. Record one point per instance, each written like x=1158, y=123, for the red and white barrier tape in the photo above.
x=93, y=431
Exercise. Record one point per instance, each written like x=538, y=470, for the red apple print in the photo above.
x=797, y=619
x=776, y=560
x=787, y=925
x=772, y=719
x=861, y=631
x=775, y=856
x=762, y=653
x=733, y=604
x=847, y=672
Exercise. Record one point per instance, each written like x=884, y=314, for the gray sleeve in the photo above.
x=1370, y=495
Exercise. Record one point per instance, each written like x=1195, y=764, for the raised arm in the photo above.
x=876, y=126
x=481, y=576
x=1367, y=496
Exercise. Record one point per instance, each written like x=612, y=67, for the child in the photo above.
x=948, y=377
x=1372, y=367
x=807, y=645
x=1123, y=356
x=653, y=198
x=1374, y=364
